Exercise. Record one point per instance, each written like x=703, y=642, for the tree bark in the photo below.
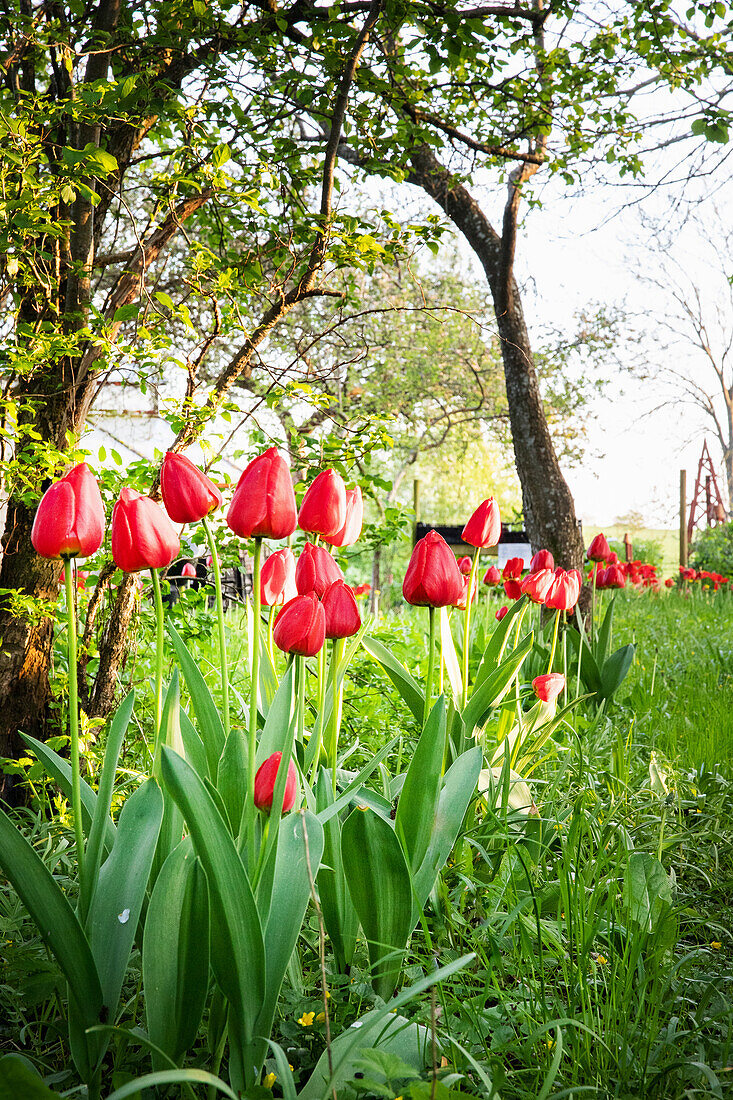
x=549, y=510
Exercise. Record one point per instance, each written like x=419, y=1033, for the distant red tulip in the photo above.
x=484, y=527
x=277, y=578
x=315, y=570
x=301, y=626
x=342, y=614
x=362, y=589
x=433, y=578
x=351, y=530
x=188, y=494
x=512, y=571
x=537, y=585
x=263, y=505
x=547, y=688
x=70, y=518
x=81, y=578
x=464, y=564
x=323, y=508
x=614, y=577
x=612, y=558
x=563, y=595
x=669, y=583
x=463, y=598
x=599, y=549
x=501, y=613
x=265, y=784
x=189, y=570
x=492, y=575
x=543, y=559
x=142, y=535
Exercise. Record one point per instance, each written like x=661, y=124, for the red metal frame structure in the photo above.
x=707, y=501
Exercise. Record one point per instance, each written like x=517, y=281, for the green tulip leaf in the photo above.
x=495, y=686
x=406, y=684
x=339, y=915
x=418, y=802
x=279, y=718
x=209, y=721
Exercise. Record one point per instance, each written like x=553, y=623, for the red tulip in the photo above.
x=513, y=589
x=563, y=595
x=501, y=613
x=492, y=575
x=277, y=579
x=189, y=570
x=315, y=570
x=464, y=564
x=362, y=589
x=669, y=582
x=301, y=626
x=547, y=688
x=612, y=558
x=463, y=598
x=351, y=530
x=323, y=508
x=599, y=549
x=265, y=784
x=142, y=535
x=614, y=577
x=263, y=505
x=484, y=527
x=543, y=559
x=433, y=578
x=537, y=585
x=513, y=569
x=81, y=578
x=70, y=517
x=188, y=494
x=342, y=614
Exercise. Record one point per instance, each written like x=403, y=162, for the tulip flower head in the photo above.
x=342, y=614
x=564, y=592
x=433, y=578
x=70, y=519
x=484, y=527
x=142, y=535
x=315, y=570
x=189, y=569
x=265, y=784
x=614, y=577
x=351, y=530
x=263, y=505
x=543, y=559
x=537, y=585
x=464, y=564
x=501, y=613
x=188, y=494
x=547, y=688
x=300, y=627
x=512, y=589
x=323, y=508
x=362, y=589
x=277, y=579
x=492, y=575
x=512, y=571
x=599, y=549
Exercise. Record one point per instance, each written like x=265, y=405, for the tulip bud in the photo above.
x=301, y=626
x=563, y=595
x=323, y=508
x=614, y=577
x=189, y=569
x=188, y=494
x=433, y=578
x=315, y=570
x=501, y=613
x=263, y=505
x=599, y=549
x=142, y=535
x=342, y=614
x=69, y=520
x=537, y=585
x=266, y=779
x=484, y=527
x=492, y=575
x=543, y=559
x=513, y=569
x=464, y=564
x=277, y=579
x=351, y=530
x=547, y=688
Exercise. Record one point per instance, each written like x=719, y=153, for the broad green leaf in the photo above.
x=647, y=890
x=237, y=948
x=418, y=801
x=193, y=746
x=232, y=775
x=495, y=686
x=19, y=1082
x=60, y=771
x=101, y=819
x=380, y=888
x=450, y=657
x=279, y=717
x=58, y=927
x=615, y=670
x=398, y=674
x=339, y=915
x=171, y=828
x=497, y=642
x=120, y=889
x=604, y=634
x=458, y=787
x=176, y=953
x=268, y=678
x=207, y=716
x=589, y=671
x=172, y=1077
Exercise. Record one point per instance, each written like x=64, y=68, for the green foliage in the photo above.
x=712, y=550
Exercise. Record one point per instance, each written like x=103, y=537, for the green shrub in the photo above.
x=713, y=550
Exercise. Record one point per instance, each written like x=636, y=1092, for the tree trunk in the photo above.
x=549, y=510
x=113, y=649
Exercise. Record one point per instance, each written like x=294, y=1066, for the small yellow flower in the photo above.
x=320, y=1017
x=290, y=1067
x=270, y=1080
x=328, y=996
x=716, y=946
x=601, y=960
x=306, y=1020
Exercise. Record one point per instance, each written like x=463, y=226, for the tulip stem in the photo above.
x=74, y=719
x=467, y=624
x=270, y=625
x=554, y=641
x=300, y=712
x=593, y=603
x=252, y=742
x=337, y=690
x=431, y=666
x=158, y=658
x=220, y=619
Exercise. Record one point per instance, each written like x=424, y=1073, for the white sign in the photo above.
x=507, y=550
